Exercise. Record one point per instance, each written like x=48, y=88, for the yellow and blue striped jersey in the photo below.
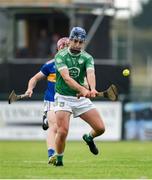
x=48, y=69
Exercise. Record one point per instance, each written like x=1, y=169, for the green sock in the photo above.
x=90, y=136
x=59, y=157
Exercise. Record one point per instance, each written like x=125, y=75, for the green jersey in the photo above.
x=77, y=66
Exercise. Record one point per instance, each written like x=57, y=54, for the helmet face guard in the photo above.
x=78, y=33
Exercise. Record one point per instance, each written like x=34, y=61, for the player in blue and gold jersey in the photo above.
x=48, y=72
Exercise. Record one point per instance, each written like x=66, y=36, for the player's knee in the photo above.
x=55, y=128
x=54, y=125
x=63, y=132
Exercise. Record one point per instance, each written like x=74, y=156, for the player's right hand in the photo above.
x=29, y=92
x=93, y=93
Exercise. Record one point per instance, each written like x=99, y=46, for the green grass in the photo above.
x=28, y=159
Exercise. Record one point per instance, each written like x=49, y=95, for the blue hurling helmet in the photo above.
x=78, y=33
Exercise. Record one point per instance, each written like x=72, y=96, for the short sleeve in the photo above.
x=90, y=63
x=45, y=70
x=60, y=62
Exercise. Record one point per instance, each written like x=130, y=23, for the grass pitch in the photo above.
x=118, y=160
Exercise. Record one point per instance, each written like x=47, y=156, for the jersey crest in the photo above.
x=74, y=72
x=80, y=61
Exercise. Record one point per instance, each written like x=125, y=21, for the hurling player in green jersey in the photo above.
x=73, y=64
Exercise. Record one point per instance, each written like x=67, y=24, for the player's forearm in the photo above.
x=32, y=83
x=73, y=84
x=91, y=80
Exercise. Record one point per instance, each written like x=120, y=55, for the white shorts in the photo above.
x=73, y=104
x=48, y=106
